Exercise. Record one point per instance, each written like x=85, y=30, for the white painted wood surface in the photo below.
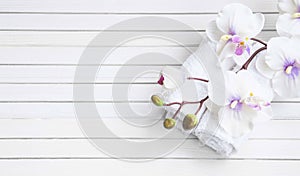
x=41, y=42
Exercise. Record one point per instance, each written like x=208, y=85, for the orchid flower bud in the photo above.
x=189, y=122
x=169, y=123
x=157, y=100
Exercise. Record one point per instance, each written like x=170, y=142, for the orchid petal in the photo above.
x=264, y=115
x=236, y=86
x=262, y=67
x=286, y=86
x=238, y=19
x=275, y=57
x=249, y=84
x=287, y=6
x=225, y=50
x=213, y=31
x=240, y=59
x=294, y=47
x=173, y=77
x=228, y=64
x=236, y=123
x=281, y=49
x=288, y=26
x=248, y=49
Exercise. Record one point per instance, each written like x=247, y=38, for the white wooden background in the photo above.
x=40, y=44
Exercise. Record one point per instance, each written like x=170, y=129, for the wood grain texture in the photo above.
x=29, y=55
x=130, y=6
x=106, y=109
x=41, y=42
x=49, y=167
x=137, y=91
x=189, y=149
x=55, y=128
x=99, y=22
x=83, y=38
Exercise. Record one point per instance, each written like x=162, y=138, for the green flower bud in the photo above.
x=157, y=100
x=189, y=122
x=169, y=123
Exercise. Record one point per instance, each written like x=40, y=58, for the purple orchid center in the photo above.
x=231, y=31
x=291, y=68
x=255, y=102
x=241, y=44
x=236, y=39
x=239, y=50
x=235, y=104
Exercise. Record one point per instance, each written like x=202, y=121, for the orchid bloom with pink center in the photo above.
x=288, y=23
x=281, y=64
x=246, y=102
x=232, y=31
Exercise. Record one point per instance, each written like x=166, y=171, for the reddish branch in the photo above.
x=200, y=105
x=198, y=79
x=181, y=104
x=259, y=41
x=246, y=64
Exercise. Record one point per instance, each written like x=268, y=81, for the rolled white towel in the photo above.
x=208, y=130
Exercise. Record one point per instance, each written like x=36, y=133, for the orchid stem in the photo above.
x=259, y=41
x=246, y=64
x=198, y=79
x=173, y=103
x=187, y=102
x=200, y=106
x=178, y=110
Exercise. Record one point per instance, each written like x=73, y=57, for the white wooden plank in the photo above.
x=290, y=110
x=42, y=38
x=83, y=38
x=55, y=74
x=44, y=110
x=157, y=167
x=82, y=148
x=65, y=74
x=102, y=92
x=46, y=92
x=103, y=21
x=69, y=128
x=54, y=109
x=64, y=92
x=71, y=55
x=129, y=6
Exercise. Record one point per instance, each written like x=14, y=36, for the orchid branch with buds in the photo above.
x=233, y=36
x=190, y=121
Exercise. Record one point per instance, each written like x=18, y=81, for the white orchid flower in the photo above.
x=246, y=102
x=288, y=23
x=282, y=65
x=171, y=78
x=232, y=31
